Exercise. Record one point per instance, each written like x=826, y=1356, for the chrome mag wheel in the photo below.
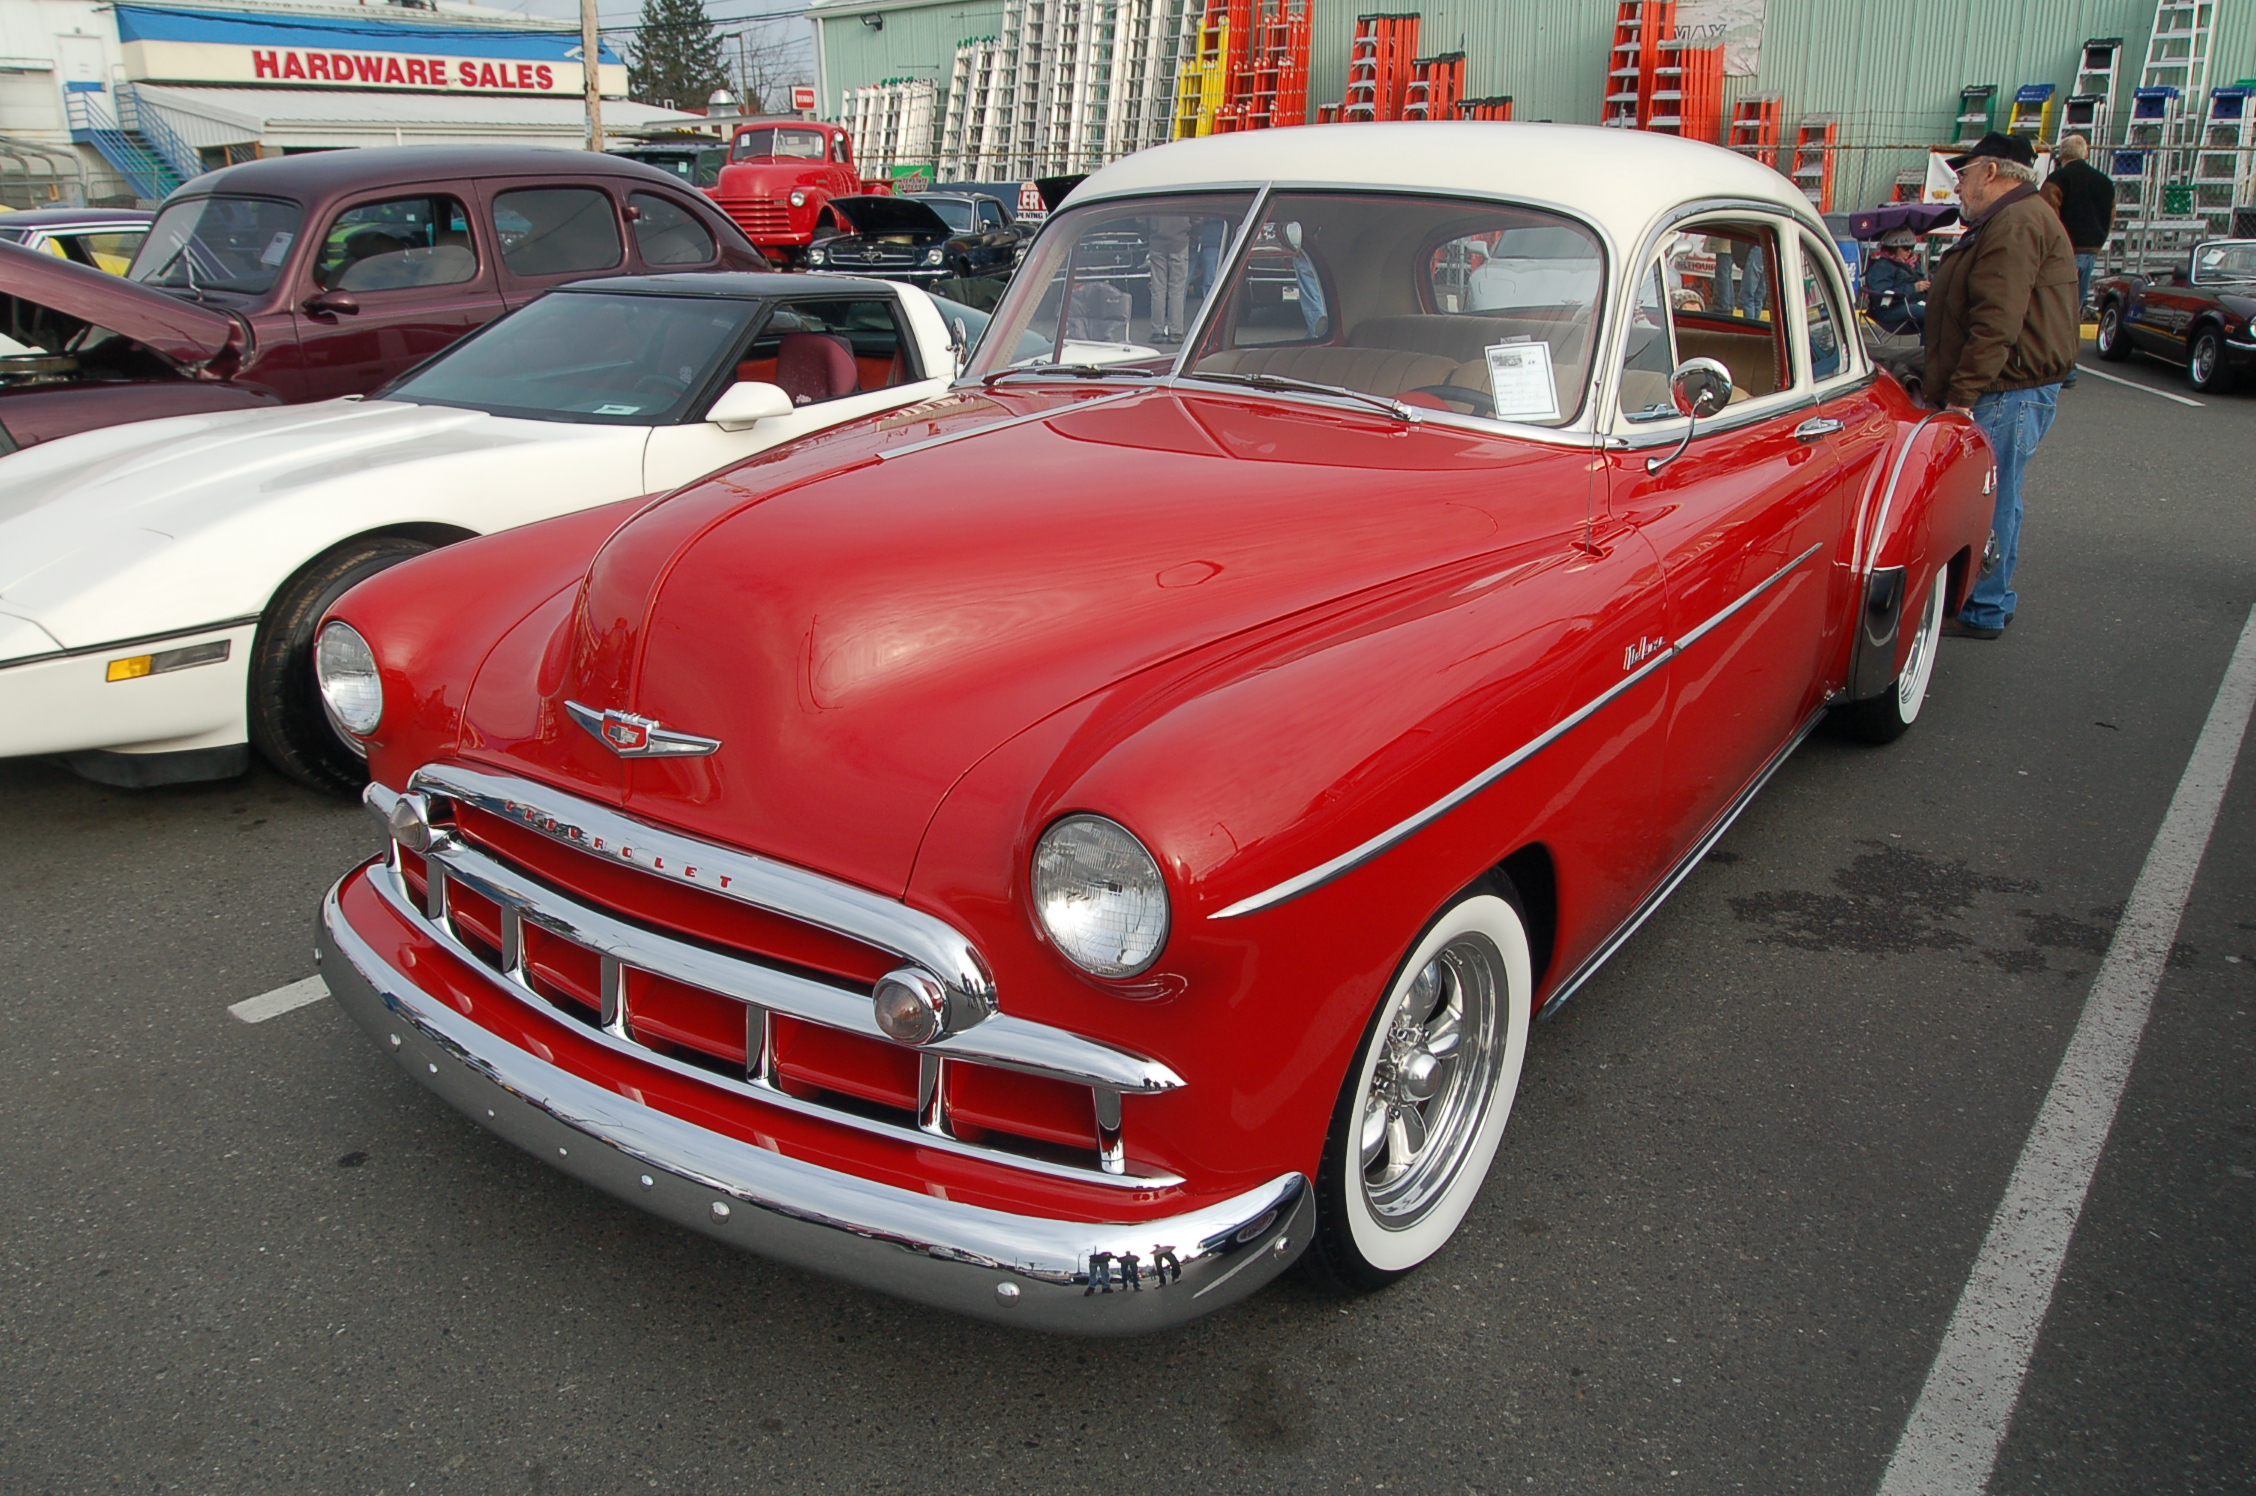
x=1436, y=1075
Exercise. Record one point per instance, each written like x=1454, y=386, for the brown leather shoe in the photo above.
x=1958, y=630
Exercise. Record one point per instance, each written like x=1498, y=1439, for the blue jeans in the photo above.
x=2084, y=264
x=2014, y=421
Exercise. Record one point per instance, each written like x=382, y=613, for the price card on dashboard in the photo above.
x=1519, y=380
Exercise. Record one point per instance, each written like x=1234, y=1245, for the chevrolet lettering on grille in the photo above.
x=630, y=736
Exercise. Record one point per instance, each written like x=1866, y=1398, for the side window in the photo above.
x=1821, y=312
x=839, y=149
x=397, y=244
x=822, y=350
x=1723, y=300
x=1279, y=300
x=1649, y=356
x=666, y=234
x=557, y=230
x=990, y=215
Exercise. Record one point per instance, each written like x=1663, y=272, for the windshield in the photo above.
x=1115, y=284
x=596, y=357
x=955, y=212
x=1481, y=309
x=2225, y=262
x=802, y=145
x=218, y=244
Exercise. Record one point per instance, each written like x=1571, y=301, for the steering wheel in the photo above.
x=1481, y=401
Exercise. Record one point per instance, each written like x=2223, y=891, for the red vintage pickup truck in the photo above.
x=779, y=174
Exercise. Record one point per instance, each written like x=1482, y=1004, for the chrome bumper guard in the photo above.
x=1060, y=1276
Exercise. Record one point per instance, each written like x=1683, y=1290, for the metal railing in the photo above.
x=150, y=124
x=91, y=123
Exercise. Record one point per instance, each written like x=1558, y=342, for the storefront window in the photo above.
x=666, y=234
x=397, y=244
x=557, y=231
x=218, y=244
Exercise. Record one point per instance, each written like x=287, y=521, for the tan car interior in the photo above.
x=1394, y=346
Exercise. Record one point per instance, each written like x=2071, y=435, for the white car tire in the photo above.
x=1424, y=1105
x=1889, y=715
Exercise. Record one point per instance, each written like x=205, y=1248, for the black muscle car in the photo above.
x=911, y=239
x=2198, y=315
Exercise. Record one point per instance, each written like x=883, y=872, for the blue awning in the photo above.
x=137, y=23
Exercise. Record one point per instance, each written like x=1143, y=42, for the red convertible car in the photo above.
x=1071, y=901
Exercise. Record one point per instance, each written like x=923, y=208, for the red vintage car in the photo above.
x=780, y=173
x=1072, y=900
x=310, y=277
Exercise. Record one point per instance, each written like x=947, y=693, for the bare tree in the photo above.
x=767, y=62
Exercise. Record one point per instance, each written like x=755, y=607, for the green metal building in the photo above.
x=1890, y=71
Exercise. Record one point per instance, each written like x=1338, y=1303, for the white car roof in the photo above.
x=1622, y=181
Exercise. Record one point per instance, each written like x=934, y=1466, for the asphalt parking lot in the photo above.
x=1748, y=1174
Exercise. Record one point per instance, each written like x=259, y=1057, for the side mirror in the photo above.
x=1697, y=387
x=331, y=304
x=959, y=339
x=746, y=403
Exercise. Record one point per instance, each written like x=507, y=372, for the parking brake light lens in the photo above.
x=1100, y=896
x=350, y=685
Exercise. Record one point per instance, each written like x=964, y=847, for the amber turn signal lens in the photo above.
x=165, y=661
x=131, y=669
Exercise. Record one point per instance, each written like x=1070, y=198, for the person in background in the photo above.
x=1754, y=283
x=1894, y=291
x=1168, y=257
x=2085, y=200
x=2001, y=336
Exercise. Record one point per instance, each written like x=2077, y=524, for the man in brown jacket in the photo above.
x=2001, y=336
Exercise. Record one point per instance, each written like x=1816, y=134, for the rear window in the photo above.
x=218, y=244
x=666, y=233
x=557, y=231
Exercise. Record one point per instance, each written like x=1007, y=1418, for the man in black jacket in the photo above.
x=2085, y=200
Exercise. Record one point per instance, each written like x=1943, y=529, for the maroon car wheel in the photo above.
x=2113, y=346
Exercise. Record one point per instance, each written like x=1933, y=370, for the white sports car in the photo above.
x=160, y=582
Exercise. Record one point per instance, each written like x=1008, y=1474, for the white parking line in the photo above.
x=2132, y=384
x=281, y=1000
x=1950, y=1443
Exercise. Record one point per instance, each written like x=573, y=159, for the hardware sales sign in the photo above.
x=184, y=46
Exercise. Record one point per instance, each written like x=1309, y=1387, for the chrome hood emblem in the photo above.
x=630, y=736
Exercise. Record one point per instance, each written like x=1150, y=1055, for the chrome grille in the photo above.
x=759, y=217
x=528, y=912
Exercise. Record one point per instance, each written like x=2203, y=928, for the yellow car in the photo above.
x=104, y=238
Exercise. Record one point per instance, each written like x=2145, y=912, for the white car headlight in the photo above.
x=815, y=256
x=798, y=198
x=933, y=257
x=351, y=687
x=1100, y=896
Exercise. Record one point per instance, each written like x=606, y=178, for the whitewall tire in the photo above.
x=1424, y=1106
x=1888, y=716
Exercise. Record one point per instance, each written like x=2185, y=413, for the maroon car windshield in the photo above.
x=218, y=244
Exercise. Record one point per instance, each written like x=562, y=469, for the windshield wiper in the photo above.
x=1393, y=408
x=1074, y=371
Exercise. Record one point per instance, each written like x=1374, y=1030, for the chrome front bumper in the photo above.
x=1041, y=1274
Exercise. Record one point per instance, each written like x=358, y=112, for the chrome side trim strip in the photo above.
x=1680, y=872
x=1012, y=1043
x=393, y=889
x=1316, y=877
x=911, y=448
x=762, y=882
x=1027, y=1271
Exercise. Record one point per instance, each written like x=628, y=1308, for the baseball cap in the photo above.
x=1898, y=239
x=2001, y=146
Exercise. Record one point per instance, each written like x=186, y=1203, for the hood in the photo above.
x=889, y=215
x=182, y=330
x=859, y=633
x=159, y=525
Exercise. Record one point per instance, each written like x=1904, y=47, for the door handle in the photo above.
x=1815, y=427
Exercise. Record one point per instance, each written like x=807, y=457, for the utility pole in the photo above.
x=591, y=66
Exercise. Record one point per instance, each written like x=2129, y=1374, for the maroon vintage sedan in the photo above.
x=309, y=277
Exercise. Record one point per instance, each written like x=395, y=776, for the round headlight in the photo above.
x=798, y=198
x=933, y=256
x=350, y=685
x=815, y=256
x=1100, y=896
